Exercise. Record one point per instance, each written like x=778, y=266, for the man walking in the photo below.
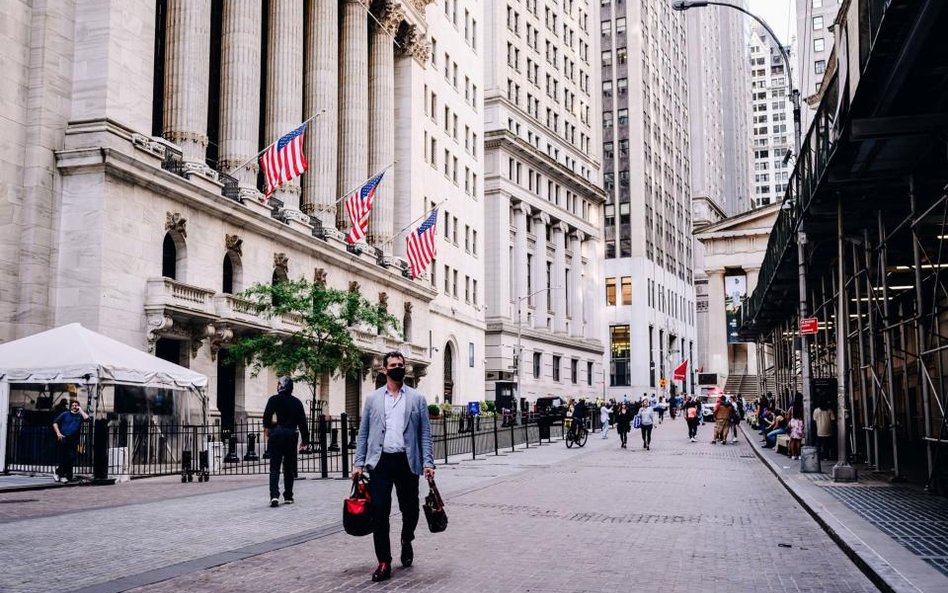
x=68, y=427
x=604, y=412
x=394, y=445
x=283, y=442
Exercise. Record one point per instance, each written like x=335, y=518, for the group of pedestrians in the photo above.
x=629, y=415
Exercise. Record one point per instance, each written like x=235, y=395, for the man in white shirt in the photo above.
x=394, y=445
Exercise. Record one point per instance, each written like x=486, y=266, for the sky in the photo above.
x=779, y=14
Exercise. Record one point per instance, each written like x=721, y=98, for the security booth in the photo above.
x=120, y=387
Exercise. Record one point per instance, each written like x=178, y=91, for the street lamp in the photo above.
x=810, y=461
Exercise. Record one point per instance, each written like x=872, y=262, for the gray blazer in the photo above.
x=417, y=431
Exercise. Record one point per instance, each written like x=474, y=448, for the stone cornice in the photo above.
x=497, y=325
x=121, y=165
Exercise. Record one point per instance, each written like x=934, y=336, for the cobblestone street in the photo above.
x=681, y=517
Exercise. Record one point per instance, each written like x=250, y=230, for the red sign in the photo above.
x=808, y=325
x=680, y=371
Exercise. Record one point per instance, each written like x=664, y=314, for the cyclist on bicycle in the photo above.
x=579, y=417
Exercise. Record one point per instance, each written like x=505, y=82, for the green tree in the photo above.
x=323, y=345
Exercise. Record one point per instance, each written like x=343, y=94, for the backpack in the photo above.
x=692, y=412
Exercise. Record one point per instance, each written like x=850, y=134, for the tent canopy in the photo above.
x=74, y=354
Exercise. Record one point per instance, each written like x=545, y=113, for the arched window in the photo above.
x=231, y=273
x=173, y=257
x=448, y=373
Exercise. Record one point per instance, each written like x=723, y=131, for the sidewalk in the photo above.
x=896, y=534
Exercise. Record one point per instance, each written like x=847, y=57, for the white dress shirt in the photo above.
x=394, y=441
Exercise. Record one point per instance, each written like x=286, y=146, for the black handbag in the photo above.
x=357, y=509
x=434, y=509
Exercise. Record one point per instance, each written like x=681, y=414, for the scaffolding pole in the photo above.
x=842, y=471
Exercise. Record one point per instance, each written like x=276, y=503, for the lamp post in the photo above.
x=809, y=460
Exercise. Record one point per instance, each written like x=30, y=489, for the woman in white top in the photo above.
x=604, y=417
x=647, y=418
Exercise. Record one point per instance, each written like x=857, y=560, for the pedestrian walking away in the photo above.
x=647, y=417
x=692, y=412
x=394, y=446
x=722, y=420
x=283, y=440
x=824, y=417
x=660, y=408
x=68, y=428
x=623, y=424
x=604, y=412
x=737, y=414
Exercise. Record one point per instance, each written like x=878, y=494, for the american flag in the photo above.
x=284, y=160
x=358, y=205
x=421, y=245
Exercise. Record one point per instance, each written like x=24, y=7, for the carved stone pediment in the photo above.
x=177, y=223
x=281, y=263
x=234, y=243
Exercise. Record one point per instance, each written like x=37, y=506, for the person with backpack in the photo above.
x=692, y=412
x=737, y=415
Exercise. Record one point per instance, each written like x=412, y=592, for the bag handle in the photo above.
x=433, y=488
x=360, y=486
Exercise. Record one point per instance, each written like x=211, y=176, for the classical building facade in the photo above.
x=648, y=290
x=772, y=120
x=130, y=187
x=544, y=201
x=732, y=249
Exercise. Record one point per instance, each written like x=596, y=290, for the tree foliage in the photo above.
x=323, y=344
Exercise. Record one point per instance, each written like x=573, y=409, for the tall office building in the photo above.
x=815, y=43
x=648, y=289
x=719, y=114
x=543, y=200
x=130, y=191
x=771, y=120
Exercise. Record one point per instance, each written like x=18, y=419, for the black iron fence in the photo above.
x=125, y=449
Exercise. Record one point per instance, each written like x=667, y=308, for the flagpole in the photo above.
x=351, y=191
x=412, y=223
x=257, y=156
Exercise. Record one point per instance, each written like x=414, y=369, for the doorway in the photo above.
x=226, y=391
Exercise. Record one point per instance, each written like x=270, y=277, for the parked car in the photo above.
x=551, y=406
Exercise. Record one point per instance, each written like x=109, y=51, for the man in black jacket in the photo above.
x=284, y=442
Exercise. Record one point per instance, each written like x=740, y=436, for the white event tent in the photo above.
x=74, y=354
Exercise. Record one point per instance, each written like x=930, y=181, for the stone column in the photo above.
x=382, y=121
x=240, y=92
x=188, y=49
x=717, y=323
x=520, y=273
x=577, y=286
x=539, y=270
x=559, y=277
x=321, y=84
x=353, y=103
x=284, y=85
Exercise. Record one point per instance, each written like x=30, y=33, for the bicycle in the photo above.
x=577, y=434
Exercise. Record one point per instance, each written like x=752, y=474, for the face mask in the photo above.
x=396, y=374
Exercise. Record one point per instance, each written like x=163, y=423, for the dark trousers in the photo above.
x=623, y=435
x=68, y=451
x=692, y=428
x=825, y=445
x=392, y=470
x=646, y=434
x=282, y=447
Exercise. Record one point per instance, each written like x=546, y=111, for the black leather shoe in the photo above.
x=408, y=554
x=382, y=573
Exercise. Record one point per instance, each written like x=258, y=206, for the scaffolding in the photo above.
x=869, y=200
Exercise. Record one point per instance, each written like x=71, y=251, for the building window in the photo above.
x=819, y=66
x=817, y=23
x=610, y=292
x=556, y=368
x=819, y=44
x=626, y=290
x=589, y=372
x=536, y=364
x=574, y=371
x=619, y=346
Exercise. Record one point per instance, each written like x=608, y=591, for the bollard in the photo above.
x=473, y=441
x=100, y=452
x=460, y=423
x=353, y=433
x=512, y=448
x=444, y=436
x=524, y=419
x=251, y=454
x=162, y=448
x=334, y=445
x=232, y=456
x=323, y=453
x=344, y=420
x=496, y=448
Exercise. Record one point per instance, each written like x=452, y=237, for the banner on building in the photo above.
x=735, y=291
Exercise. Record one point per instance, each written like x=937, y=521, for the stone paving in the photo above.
x=681, y=517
